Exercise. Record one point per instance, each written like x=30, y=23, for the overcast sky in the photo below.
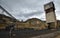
x=25, y=9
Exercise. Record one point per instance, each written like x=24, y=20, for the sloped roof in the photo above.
x=2, y=15
x=33, y=19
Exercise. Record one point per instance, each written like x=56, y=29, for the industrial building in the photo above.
x=34, y=23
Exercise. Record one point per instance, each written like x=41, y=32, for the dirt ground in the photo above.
x=58, y=36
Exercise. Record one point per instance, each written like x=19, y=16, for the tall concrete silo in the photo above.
x=50, y=15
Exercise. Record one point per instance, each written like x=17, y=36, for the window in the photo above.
x=2, y=21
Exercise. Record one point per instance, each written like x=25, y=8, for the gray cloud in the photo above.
x=24, y=9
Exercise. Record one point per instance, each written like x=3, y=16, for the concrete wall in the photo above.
x=50, y=17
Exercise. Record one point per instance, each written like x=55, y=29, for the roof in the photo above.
x=33, y=19
x=2, y=15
